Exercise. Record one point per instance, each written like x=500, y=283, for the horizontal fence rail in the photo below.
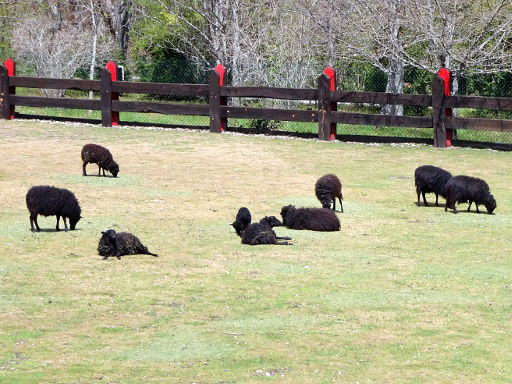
x=324, y=101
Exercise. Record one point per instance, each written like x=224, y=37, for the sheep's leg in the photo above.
x=476, y=205
x=283, y=238
x=448, y=204
x=424, y=199
x=65, y=224
x=33, y=220
x=83, y=168
x=418, y=194
x=99, y=170
x=341, y=204
x=469, y=206
x=437, y=198
x=57, y=226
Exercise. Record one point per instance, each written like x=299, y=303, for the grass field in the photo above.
x=402, y=294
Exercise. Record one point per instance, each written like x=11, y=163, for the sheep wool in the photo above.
x=93, y=153
x=327, y=189
x=314, y=219
x=120, y=244
x=461, y=189
x=430, y=179
x=242, y=220
x=262, y=233
x=49, y=201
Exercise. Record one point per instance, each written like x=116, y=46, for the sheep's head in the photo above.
x=73, y=221
x=490, y=204
x=110, y=234
x=325, y=200
x=272, y=221
x=114, y=169
x=286, y=210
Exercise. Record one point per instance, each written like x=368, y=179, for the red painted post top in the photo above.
x=112, y=67
x=329, y=72
x=9, y=64
x=444, y=74
x=221, y=71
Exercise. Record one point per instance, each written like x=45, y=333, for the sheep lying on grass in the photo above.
x=93, y=153
x=262, y=233
x=48, y=201
x=242, y=220
x=327, y=189
x=430, y=179
x=461, y=189
x=314, y=219
x=120, y=244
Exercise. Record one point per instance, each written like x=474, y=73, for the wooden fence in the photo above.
x=219, y=109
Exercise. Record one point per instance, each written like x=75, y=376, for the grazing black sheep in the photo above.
x=93, y=153
x=314, y=219
x=461, y=189
x=262, y=233
x=242, y=221
x=119, y=244
x=430, y=179
x=48, y=201
x=327, y=188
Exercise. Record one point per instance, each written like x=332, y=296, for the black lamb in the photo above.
x=262, y=232
x=119, y=244
x=93, y=153
x=430, y=179
x=242, y=220
x=48, y=201
x=327, y=189
x=314, y=219
x=462, y=189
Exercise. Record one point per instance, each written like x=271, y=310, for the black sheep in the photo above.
x=119, y=244
x=242, y=221
x=327, y=189
x=430, y=179
x=48, y=201
x=262, y=232
x=315, y=219
x=461, y=189
x=93, y=153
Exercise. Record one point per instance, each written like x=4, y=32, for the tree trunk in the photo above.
x=395, y=84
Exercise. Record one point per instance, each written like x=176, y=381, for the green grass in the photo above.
x=299, y=127
x=401, y=294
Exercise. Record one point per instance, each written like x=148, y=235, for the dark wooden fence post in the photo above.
x=11, y=71
x=216, y=81
x=324, y=107
x=438, y=112
x=4, y=93
x=106, y=98
x=112, y=68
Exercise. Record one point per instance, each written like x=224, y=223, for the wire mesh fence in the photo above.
x=349, y=78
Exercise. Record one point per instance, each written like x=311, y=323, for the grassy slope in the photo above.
x=401, y=294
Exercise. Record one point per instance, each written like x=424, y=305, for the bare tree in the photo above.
x=473, y=36
x=117, y=17
x=371, y=31
x=65, y=40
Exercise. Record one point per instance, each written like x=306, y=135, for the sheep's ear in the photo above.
x=103, y=233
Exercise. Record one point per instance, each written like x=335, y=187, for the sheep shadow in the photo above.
x=106, y=176
x=49, y=230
